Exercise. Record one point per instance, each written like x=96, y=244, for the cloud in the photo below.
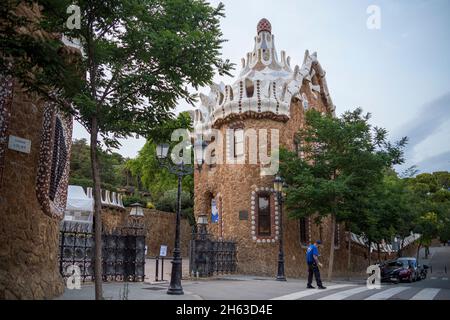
x=440, y=162
x=431, y=117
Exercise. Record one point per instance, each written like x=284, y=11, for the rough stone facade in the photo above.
x=256, y=101
x=28, y=235
x=159, y=228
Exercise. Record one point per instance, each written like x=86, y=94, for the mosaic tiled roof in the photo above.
x=266, y=84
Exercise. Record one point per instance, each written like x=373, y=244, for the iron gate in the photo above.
x=209, y=257
x=123, y=253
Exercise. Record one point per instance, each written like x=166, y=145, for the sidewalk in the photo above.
x=228, y=287
x=150, y=269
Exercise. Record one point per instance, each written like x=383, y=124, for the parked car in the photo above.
x=390, y=271
x=401, y=269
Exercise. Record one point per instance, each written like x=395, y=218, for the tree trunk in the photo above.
x=379, y=253
x=331, y=259
x=349, y=253
x=98, y=276
x=418, y=251
x=349, y=257
x=400, y=250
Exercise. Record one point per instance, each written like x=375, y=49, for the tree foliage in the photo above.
x=111, y=167
x=341, y=163
x=137, y=58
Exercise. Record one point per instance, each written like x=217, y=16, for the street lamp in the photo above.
x=162, y=150
x=180, y=170
x=137, y=210
x=278, y=187
x=198, y=153
x=202, y=221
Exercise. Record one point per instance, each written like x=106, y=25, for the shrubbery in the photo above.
x=168, y=202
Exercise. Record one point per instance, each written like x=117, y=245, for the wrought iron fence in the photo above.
x=209, y=256
x=123, y=253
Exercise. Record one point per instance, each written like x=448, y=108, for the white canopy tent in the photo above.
x=79, y=208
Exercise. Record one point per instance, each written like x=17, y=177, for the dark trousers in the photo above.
x=314, y=268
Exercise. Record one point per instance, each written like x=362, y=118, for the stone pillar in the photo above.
x=29, y=227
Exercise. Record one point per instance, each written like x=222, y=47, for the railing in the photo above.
x=123, y=253
x=209, y=257
x=385, y=247
x=109, y=198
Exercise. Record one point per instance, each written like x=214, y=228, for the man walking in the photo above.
x=312, y=258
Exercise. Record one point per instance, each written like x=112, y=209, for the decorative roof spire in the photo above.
x=264, y=25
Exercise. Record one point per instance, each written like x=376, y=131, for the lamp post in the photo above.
x=278, y=187
x=180, y=170
x=202, y=221
x=137, y=210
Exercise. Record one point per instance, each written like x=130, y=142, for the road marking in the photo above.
x=444, y=278
x=308, y=292
x=386, y=294
x=426, y=294
x=345, y=294
x=433, y=278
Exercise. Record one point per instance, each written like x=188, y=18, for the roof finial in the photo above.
x=264, y=25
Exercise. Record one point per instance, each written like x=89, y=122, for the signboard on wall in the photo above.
x=19, y=144
x=214, y=211
x=163, y=250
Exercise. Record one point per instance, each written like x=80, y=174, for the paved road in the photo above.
x=435, y=287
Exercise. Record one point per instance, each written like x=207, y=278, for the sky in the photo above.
x=399, y=72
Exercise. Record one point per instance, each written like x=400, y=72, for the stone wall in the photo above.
x=28, y=237
x=159, y=225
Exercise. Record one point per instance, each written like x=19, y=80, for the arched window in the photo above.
x=263, y=205
x=238, y=143
x=249, y=88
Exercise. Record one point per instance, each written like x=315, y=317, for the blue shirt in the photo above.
x=311, y=252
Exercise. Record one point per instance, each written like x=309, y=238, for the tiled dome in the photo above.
x=264, y=25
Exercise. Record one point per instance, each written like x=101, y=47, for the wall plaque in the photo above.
x=243, y=215
x=19, y=144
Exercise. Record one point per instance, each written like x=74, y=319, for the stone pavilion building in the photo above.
x=269, y=97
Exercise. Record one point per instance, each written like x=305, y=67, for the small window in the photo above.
x=238, y=143
x=249, y=88
x=264, y=227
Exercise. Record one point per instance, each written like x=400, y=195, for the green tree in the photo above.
x=33, y=52
x=137, y=58
x=342, y=159
x=111, y=164
x=429, y=226
x=431, y=195
x=146, y=168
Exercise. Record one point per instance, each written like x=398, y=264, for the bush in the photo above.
x=150, y=205
x=188, y=213
x=168, y=202
x=129, y=200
